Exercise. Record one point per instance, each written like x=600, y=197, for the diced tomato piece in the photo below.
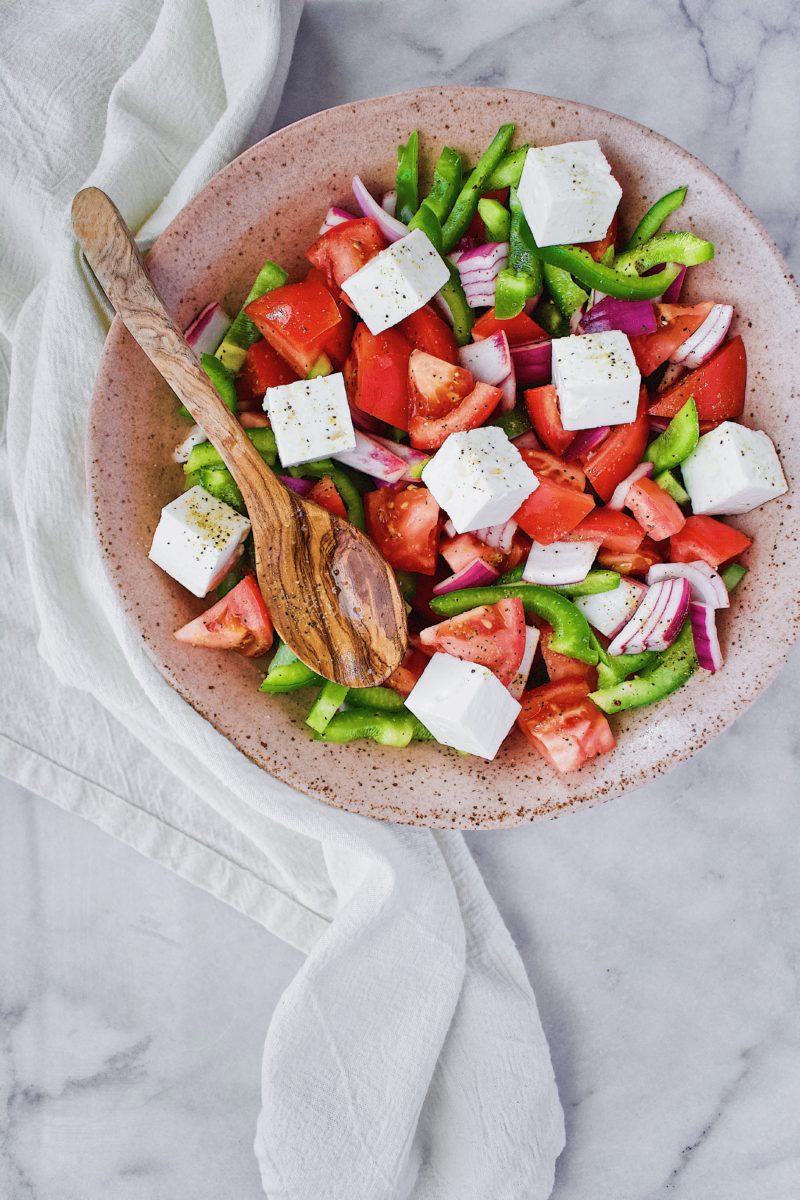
x=614, y=530
x=377, y=375
x=337, y=343
x=404, y=525
x=560, y=666
x=520, y=549
x=552, y=511
x=296, y=320
x=444, y=399
x=631, y=562
x=709, y=540
x=543, y=410
x=562, y=723
x=718, y=386
x=405, y=677
x=426, y=331
x=622, y=450
x=254, y=420
x=461, y=550
x=345, y=249
x=656, y=512
x=598, y=249
x=239, y=621
x=674, y=324
x=493, y=635
x=263, y=368
x=518, y=330
x=547, y=466
x=325, y=494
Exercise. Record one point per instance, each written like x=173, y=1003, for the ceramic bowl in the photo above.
x=269, y=204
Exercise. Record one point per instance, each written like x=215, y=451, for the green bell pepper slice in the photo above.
x=677, y=441
x=379, y=699
x=385, y=728
x=670, y=671
x=407, y=178
x=570, y=627
x=669, y=481
x=550, y=318
x=732, y=575
x=320, y=367
x=511, y=290
x=496, y=218
x=407, y=582
x=229, y=582
x=426, y=219
x=684, y=248
x=219, y=482
x=566, y=294
x=243, y=333
x=514, y=423
x=508, y=171
x=326, y=705
x=594, y=583
x=222, y=379
x=447, y=181
x=466, y=203
x=522, y=279
x=287, y=673
x=206, y=455
x=462, y=315
x=613, y=668
x=655, y=217
x=623, y=286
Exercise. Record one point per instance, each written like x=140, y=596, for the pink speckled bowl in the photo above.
x=269, y=204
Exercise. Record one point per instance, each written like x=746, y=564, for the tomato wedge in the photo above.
x=615, y=458
x=296, y=320
x=263, y=368
x=345, y=249
x=559, y=666
x=718, y=386
x=552, y=511
x=656, y=512
x=336, y=344
x=562, y=723
x=542, y=406
x=461, y=550
x=493, y=635
x=239, y=621
x=674, y=324
x=615, y=531
x=444, y=399
x=631, y=562
x=325, y=494
x=424, y=330
x=404, y=525
x=547, y=466
x=377, y=375
x=518, y=330
x=709, y=540
x=405, y=677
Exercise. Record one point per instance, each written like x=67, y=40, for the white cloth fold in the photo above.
x=407, y=1057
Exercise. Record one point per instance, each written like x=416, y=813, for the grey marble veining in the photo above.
x=661, y=931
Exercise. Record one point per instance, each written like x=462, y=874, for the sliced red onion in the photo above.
x=706, y=638
x=673, y=293
x=444, y=308
x=335, y=216
x=707, y=586
x=508, y=397
x=620, y=493
x=531, y=302
x=479, y=298
x=560, y=562
x=499, y=537
x=630, y=316
x=208, y=329
x=475, y=574
x=532, y=363
x=389, y=203
x=371, y=457
x=194, y=437
x=301, y=486
x=414, y=459
x=390, y=227
x=666, y=626
x=631, y=633
x=586, y=440
x=657, y=424
x=517, y=685
x=705, y=340
x=673, y=373
x=489, y=360
x=609, y=612
x=575, y=321
x=480, y=258
x=527, y=441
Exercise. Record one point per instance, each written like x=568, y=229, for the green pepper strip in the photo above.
x=677, y=441
x=565, y=293
x=287, y=673
x=733, y=575
x=514, y=423
x=550, y=319
x=407, y=582
x=229, y=582
x=613, y=668
x=425, y=218
x=655, y=217
x=206, y=455
x=672, y=486
x=446, y=183
x=510, y=293
x=570, y=627
x=243, y=333
x=595, y=582
x=380, y=699
x=466, y=203
x=351, y=497
x=191, y=480
x=579, y=263
x=684, y=248
x=388, y=729
x=326, y=705
x=522, y=279
x=219, y=482
x=666, y=675
x=407, y=179
x=496, y=218
x=453, y=292
x=508, y=171
x=222, y=379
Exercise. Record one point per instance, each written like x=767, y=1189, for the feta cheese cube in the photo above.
x=732, y=470
x=596, y=378
x=464, y=705
x=198, y=539
x=479, y=478
x=310, y=419
x=396, y=282
x=568, y=193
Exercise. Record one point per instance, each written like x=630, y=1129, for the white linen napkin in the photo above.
x=407, y=1056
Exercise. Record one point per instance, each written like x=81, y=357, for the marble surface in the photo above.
x=660, y=931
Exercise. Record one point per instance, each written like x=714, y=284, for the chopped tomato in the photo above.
x=543, y=410
x=560, y=666
x=674, y=324
x=709, y=540
x=552, y=511
x=337, y=343
x=631, y=562
x=404, y=678
x=345, y=249
x=656, y=512
x=518, y=330
x=718, y=386
x=444, y=399
x=614, y=530
x=520, y=549
x=377, y=375
x=547, y=466
x=404, y=525
x=493, y=635
x=325, y=494
x=254, y=420
x=598, y=249
x=239, y=621
x=296, y=320
x=263, y=368
x=562, y=723
x=464, y=548
x=424, y=330
x=615, y=458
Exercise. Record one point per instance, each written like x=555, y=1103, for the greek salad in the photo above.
x=498, y=382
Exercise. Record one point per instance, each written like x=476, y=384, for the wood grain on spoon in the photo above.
x=332, y=597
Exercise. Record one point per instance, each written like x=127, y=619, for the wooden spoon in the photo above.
x=332, y=597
